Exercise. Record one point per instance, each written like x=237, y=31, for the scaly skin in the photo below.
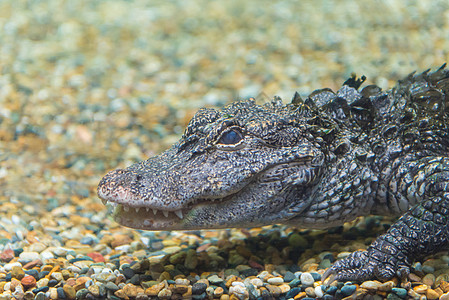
x=315, y=164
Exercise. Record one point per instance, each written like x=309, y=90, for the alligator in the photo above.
x=313, y=163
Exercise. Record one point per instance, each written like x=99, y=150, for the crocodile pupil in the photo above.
x=231, y=137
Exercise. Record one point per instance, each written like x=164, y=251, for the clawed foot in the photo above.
x=365, y=265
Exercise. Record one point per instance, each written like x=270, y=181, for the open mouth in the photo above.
x=147, y=218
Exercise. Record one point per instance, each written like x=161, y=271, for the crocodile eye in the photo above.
x=230, y=137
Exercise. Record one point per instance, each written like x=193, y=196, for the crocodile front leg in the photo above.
x=421, y=231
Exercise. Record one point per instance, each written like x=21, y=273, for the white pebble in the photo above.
x=262, y=275
x=238, y=283
x=182, y=281
x=319, y=292
x=257, y=282
x=46, y=255
x=307, y=278
x=28, y=256
x=275, y=280
x=239, y=291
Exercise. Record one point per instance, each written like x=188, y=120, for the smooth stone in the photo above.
x=40, y=296
x=400, y=292
x=295, y=282
x=274, y=290
x=239, y=291
x=371, y=285
x=316, y=276
x=26, y=257
x=307, y=279
x=429, y=279
x=387, y=286
x=165, y=294
x=319, y=292
x=257, y=282
x=445, y=296
x=191, y=260
x=111, y=286
x=293, y=292
x=324, y=264
x=428, y=269
x=348, y=290
x=8, y=267
x=297, y=241
x=198, y=288
x=432, y=294
x=275, y=280
x=69, y=291
x=393, y=296
x=60, y=292
x=289, y=276
x=17, y=272
x=214, y=279
x=310, y=291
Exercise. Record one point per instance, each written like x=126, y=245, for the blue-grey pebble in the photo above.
x=128, y=272
x=42, y=289
x=324, y=264
x=61, y=294
x=200, y=296
x=428, y=269
x=198, y=288
x=348, y=290
x=135, y=279
x=289, y=276
x=295, y=282
x=293, y=292
x=52, y=282
x=33, y=272
x=402, y=293
x=393, y=296
x=316, y=276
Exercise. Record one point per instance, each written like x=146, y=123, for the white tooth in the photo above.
x=147, y=209
x=165, y=213
x=137, y=209
x=179, y=213
x=154, y=211
x=126, y=208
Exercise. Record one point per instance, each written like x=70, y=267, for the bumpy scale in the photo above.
x=315, y=163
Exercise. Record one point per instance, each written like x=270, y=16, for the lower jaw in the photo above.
x=145, y=220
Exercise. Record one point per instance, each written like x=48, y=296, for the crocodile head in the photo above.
x=242, y=166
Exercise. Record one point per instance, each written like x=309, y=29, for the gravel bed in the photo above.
x=90, y=86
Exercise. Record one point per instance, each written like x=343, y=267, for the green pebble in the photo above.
x=324, y=264
x=191, y=260
x=297, y=241
x=229, y=272
x=214, y=279
x=235, y=258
